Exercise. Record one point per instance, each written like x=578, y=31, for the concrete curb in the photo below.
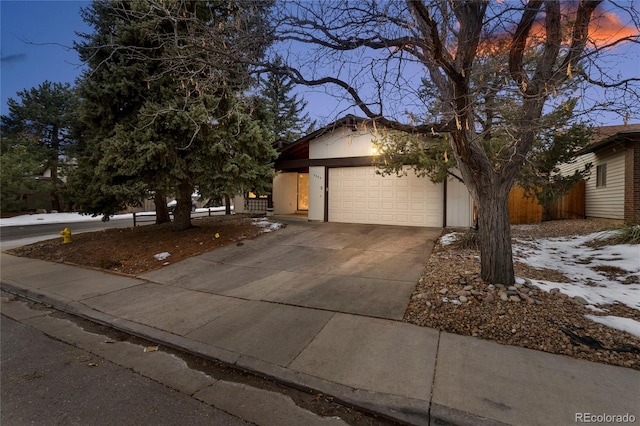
x=396, y=408
x=441, y=415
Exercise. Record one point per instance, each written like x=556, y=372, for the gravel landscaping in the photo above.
x=450, y=296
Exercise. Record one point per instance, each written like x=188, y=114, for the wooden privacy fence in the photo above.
x=527, y=210
x=523, y=209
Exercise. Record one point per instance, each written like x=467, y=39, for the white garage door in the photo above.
x=359, y=195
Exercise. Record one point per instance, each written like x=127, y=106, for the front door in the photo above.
x=303, y=191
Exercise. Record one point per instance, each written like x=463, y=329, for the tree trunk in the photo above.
x=227, y=204
x=496, y=257
x=162, y=211
x=55, y=191
x=53, y=164
x=182, y=213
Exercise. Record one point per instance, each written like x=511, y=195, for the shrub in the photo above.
x=468, y=240
x=628, y=234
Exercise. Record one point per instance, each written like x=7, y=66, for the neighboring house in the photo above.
x=40, y=199
x=613, y=189
x=47, y=175
x=329, y=175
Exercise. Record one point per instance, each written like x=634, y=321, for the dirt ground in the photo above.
x=131, y=250
x=550, y=322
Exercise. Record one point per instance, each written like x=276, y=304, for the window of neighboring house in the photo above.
x=252, y=196
x=601, y=175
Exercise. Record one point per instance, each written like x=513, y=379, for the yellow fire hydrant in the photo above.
x=66, y=235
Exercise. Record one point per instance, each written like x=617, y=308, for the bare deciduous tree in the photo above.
x=382, y=55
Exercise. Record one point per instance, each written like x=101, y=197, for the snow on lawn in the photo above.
x=42, y=218
x=586, y=267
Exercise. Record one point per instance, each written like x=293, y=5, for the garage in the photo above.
x=333, y=168
x=359, y=195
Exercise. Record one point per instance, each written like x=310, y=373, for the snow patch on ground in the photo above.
x=449, y=238
x=586, y=267
x=629, y=325
x=162, y=256
x=601, y=275
x=266, y=225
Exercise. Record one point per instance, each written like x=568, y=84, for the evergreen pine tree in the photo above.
x=43, y=116
x=163, y=109
x=284, y=110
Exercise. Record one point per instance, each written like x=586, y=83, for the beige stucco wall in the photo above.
x=459, y=204
x=285, y=193
x=344, y=142
x=238, y=204
x=316, y=193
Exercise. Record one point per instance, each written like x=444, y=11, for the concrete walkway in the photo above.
x=317, y=306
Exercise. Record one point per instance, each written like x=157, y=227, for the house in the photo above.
x=329, y=176
x=613, y=189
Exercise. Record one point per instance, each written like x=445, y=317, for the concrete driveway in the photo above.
x=359, y=269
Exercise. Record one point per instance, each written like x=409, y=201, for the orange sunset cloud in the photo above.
x=605, y=28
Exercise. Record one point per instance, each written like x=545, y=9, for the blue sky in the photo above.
x=27, y=65
x=36, y=37
x=35, y=41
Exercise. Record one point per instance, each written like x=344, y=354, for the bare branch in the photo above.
x=578, y=40
x=519, y=42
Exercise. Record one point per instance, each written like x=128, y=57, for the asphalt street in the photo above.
x=45, y=381
x=11, y=233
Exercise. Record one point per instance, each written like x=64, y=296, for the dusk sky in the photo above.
x=36, y=37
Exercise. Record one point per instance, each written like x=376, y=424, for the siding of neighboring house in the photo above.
x=603, y=201
x=61, y=176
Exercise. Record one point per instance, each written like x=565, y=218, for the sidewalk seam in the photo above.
x=311, y=340
x=435, y=369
